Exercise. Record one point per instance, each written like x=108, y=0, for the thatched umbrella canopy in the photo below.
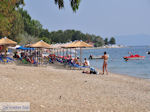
x=78, y=44
x=66, y=45
x=40, y=44
x=7, y=42
x=81, y=44
x=69, y=45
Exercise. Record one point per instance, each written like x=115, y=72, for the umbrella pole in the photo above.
x=75, y=53
x=80, y=56
x=60, y=51
x=41, y=55
x=42, y=58
x=54, y=51
x=38, y=56
x=35, y=56
x=70, y=53
x=57, y=52
x=63, y=52
x=67, y=52
x=5, y=51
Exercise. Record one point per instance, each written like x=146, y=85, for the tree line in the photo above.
x=17, y=24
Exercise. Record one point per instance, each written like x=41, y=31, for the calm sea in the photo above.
x=116, y=63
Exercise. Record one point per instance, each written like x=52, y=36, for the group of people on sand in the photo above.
x=86, y=64
x=93, y=70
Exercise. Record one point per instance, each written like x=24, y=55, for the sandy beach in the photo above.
x=55, y=89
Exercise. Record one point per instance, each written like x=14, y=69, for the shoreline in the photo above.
x=131, y=76
x=55, y=88
x=107, y=47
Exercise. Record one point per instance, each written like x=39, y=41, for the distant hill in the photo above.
x=133, y=40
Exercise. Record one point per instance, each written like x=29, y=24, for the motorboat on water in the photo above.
x=133, y=57
x=95, y=57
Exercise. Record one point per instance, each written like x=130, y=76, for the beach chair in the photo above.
x=50, y=60
x=6, y=59
x=73, y=65
x=33, y=61
x=9, y=59
x=1, y=60
x=58, y=60
x=24, y=61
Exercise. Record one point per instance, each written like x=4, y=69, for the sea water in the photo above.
x=116, y=63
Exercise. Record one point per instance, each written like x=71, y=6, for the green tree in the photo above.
x=76, y=36
x=44, y=33
x=74, y=4
x=17, y=27
x=7, y=15
x=99, y=41
x=112, y=41
x=45, y=39
x=10, y=20
x=25, y=38
x=106, y=41
x=31, y=26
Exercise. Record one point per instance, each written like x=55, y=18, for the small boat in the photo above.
x=95, y=57
x=133, y=57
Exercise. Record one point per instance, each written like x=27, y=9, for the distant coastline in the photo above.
x=108, y=46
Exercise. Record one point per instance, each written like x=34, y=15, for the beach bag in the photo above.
x=93, y=71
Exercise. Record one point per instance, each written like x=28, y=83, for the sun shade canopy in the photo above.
x=40, y=44
x=78, y=44
x=6, y=41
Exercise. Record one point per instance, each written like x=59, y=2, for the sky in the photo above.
x=119, y=18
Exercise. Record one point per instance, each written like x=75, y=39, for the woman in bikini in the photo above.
x=105, y=57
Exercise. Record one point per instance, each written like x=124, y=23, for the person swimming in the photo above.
x=105, y=57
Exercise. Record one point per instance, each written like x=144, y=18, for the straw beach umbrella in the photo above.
x=79, y=44
x=5, y=42
x=40, y=44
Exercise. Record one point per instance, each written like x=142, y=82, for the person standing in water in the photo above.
x=105, y=58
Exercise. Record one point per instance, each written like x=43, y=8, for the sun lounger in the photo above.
x=6, y=59
x=77, y=66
